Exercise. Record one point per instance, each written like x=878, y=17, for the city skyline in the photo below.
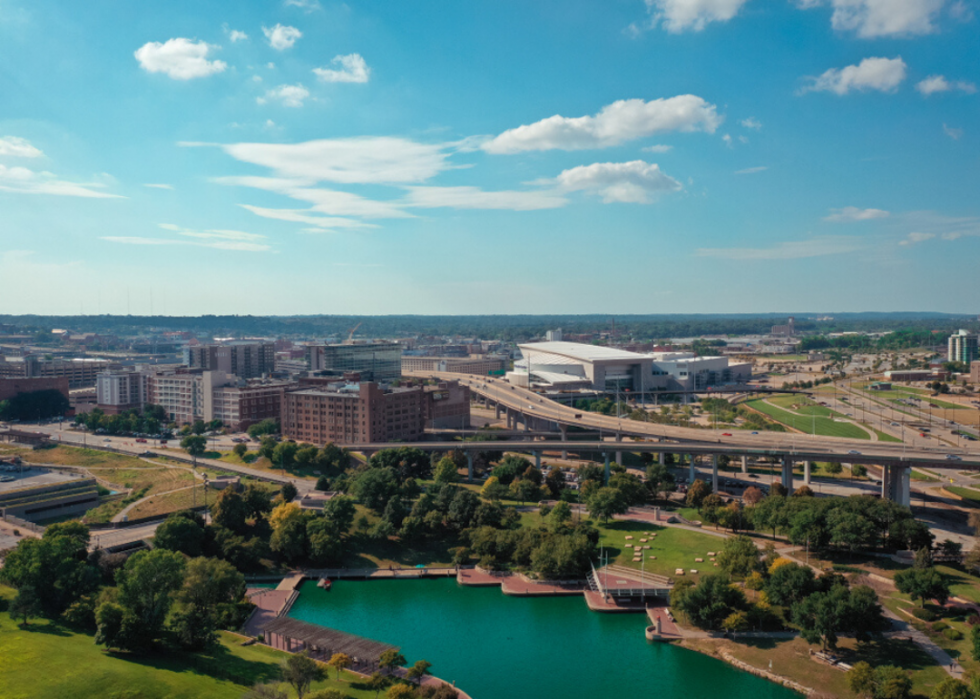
x=673, y=156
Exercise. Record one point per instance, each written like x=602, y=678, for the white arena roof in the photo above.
x=583, y=352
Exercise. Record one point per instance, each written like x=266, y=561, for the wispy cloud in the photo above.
x=818, y=246
x=751, y=123
x=880, y=74
x=853, y=213
x=955, y=134
x=218, y=239
x=350, y=69
x=25, y=181
x=159, y=186
x=752, y=170
x=13, y=146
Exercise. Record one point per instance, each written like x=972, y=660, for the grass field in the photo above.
x=253, y=460
x=970, y=496
x=50, y=661
x=807, y=422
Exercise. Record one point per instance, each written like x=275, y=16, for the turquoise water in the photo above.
x=500, y=647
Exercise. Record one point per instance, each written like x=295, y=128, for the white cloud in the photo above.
x=159, y=186
x=324, y=201
x=25, y=181
x=939, y=83
x=353, y=69
x=913, y=238
x=635, y=182
x=364, y=160
x=789, y=250
x=286, y=95
x=727, y=138
x=307, y=216
x=680, y=15
x=955, y=134
x=476, y=198
x=308, y=5
x=877, y=18
x=236, y=35
x=18, y=147
x=852, y=213
x=282, y=37
x=220, y=245
x=752, y=170
x=657, y=149
x=882, y=74
x=751, y=123
x=180, y=59
x=621, y=121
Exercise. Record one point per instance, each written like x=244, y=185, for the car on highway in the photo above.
x=855, y=452
x=953, y=457
x=141, y=440
x=7, y=479
x=755, y=433
x=726, y=434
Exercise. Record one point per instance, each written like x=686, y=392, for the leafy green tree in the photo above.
x=510, y=467
x=391, y=659
x=375, y=487
x=240, y=450
x=975, y=642
x=525, y=490
x=446, y=471
x=951, y=688
x=267, y=448
x=263, y=427
x=859, y=470
x=230, y=511
x=822, y=616
x=790, y=584
x=290, y=539
x=632, y=488
x=306, y=455
x=861, y=679
x=206, y=601
x=555, y=482
x=493, y=489
x=419, y=670
x=284, y=454
x=736, y=621
x=288, y=492
x=833, y=468
x=605, y=503
x=696, y=494
x=195, y=445
x=560, y=516
x=339, y=662
x=739, y=556
x=25, y=605
x=326, y=545
x=378, y=683
x=199, y=427
x=340, y=511
x=660, y=481
x=922, y=584
x=300, y=671
x=180, y=532
x=266, y=691
x=711, y=601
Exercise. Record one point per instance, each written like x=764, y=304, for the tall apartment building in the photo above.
x=481, y=365
x=364, y=413
x=191, y=394
x=961, y=347
x=374, y=361
x=244, y=359
x=116, y=391
x=81, y=373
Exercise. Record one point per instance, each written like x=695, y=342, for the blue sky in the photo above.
x=617, y=156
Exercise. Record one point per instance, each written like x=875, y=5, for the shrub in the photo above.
x=973, y=619
x=924, y=614
x=953, y=634
x=940, y=626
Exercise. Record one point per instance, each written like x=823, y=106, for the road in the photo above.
x=821, y=448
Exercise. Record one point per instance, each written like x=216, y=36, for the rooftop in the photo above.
x=582, y=352
x=328, y=639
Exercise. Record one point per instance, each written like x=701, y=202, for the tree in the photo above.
x=738, y=557
x=804, y=491
x=340, y=511
x=493, y=489
x=288, y=492
x=632, y=488
x=696, y=494
x=833, y=468
x=859, y=470
x=290, y=539
x=822, y=616
x=339, y=662
x=419, y=670
x=375, y=487
x=861, y=679
x=377, y=682
x=390, y=659
x=736, y=621
x=300, y=671
x=266, y=691
x=284, y=454
x=400, y=691
x=789, y=583
x=951, y=688
x=525, y=490
x=206, y=601
x=240, y=450
x=711, y=601
x=25, y=605
x=446, y=471
x=555, y=482
x=267, y=426
x=195, y=445
x=559, y=516
x=230, y=511
x=180, y=532
x=975, y=642
x=605, y=503
x=752, y=496
x=922, y=584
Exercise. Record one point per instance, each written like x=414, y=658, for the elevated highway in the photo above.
x=535, y=412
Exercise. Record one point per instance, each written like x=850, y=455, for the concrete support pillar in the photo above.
x=469, y=467
x=692, y=474
x=619, y=454
x=745, y=464
x=788, y=474
x=904, y=479
x=496, y=408
x=806, y=473
x=537, y=460
x=564, y=437
x=714, y=473
x=606, y=479
x=527, y=423
x=886, y=477
x=660, y=458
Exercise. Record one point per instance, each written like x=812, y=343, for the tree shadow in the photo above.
x=218, y=663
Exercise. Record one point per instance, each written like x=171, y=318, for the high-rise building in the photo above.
x=961, y=347
x=374, y=361
x=116, y=391
x=244, y=359
x=80, y=372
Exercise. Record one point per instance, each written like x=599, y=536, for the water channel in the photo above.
x=499, y=647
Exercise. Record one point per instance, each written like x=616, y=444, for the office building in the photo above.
x=11, y=387
x=374, y=361
x=481, y=365
x=961, y=347
x=244, y=359
x=787, y=330
x=81, y=373
x=116, y=391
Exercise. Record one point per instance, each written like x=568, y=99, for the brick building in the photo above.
x=80, y=373
x=10, y=387
x=244, y=359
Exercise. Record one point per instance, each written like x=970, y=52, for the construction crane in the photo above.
x=350, y=335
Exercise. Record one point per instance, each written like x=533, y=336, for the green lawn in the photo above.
x=50, y=661
x=970, y=496
x=806, y=423
x=673, y=547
